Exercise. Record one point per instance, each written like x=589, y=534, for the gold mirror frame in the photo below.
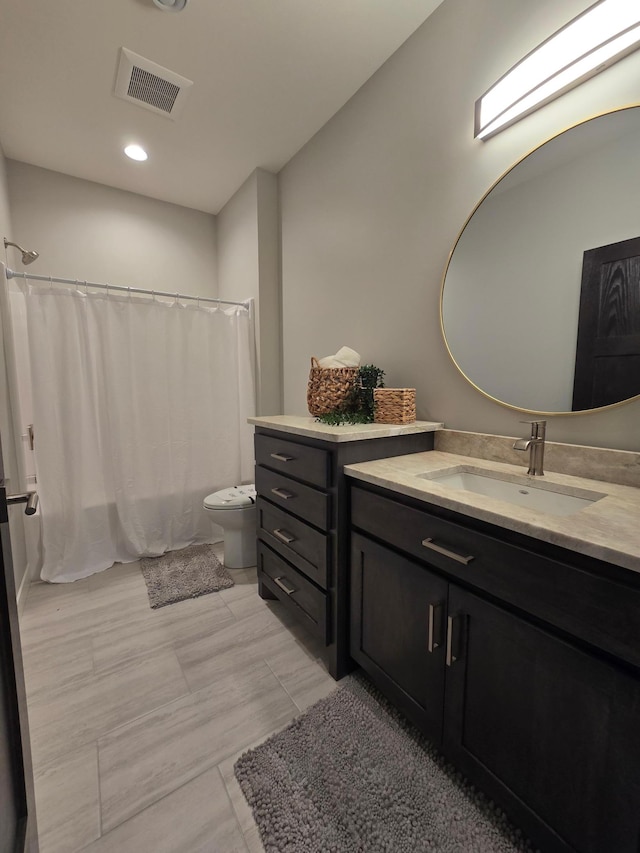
x=457, y=240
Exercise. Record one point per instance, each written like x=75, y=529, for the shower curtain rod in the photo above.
x=53, y=280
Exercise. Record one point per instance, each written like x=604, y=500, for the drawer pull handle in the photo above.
x=453, y=639
x=429, y=543
x=282, y=457
x=281, y=583
x=435, y=626
x=283, y=493
x=283, y=536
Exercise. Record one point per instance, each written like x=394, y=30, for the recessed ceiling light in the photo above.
x=171, y=5
x=136, y=152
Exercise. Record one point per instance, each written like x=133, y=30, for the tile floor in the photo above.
x=137, y=715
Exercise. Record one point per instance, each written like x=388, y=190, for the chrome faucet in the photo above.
x=535, y=445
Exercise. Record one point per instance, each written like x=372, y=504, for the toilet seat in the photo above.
x=234, y=497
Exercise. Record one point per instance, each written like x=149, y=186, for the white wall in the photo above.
x=9, y=455
x=90, y=231
x=237, y=249
x=372, y=205
x=270, y=313
x=248, y=267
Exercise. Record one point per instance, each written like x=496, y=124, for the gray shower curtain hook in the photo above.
x=86, y=291
x=50, y=283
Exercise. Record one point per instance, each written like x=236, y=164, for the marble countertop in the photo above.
x=298, y=425
x=608, y=529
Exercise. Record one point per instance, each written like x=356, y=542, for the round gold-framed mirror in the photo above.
x=540, y=298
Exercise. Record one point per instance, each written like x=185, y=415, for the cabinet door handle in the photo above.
x=283, y=493
x=429, y=543
x=435, y=626
x=283, y=536
x=282, y=457
x=283, y=586
x=454, y=631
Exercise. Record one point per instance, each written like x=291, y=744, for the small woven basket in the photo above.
x=394, y=405
x=329, y=388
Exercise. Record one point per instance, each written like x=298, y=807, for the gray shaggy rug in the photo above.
x=351, y=774
x=186, y=573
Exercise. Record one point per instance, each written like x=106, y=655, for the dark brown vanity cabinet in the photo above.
x=547, y=723
x=303, y=536
x=538, y=721
x=397, y=616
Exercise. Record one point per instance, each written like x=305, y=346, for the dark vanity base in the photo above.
x=303, y=541
x=264, y=592
x=520, y=662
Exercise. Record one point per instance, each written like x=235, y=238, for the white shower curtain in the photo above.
x=140, y=410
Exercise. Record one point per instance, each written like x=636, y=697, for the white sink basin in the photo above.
x=548, y=498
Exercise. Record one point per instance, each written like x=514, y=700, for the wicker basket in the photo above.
x=394, y=405
x=329, y=388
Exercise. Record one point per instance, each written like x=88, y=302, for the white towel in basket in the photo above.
x=345, y=357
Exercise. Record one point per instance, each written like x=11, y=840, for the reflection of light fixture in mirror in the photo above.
x=600, y=36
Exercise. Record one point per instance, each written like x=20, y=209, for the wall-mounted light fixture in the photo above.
x=600, y=36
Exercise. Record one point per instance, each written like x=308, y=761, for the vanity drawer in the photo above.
x=304, y=501
x=448, y=546
x=310, y=464
x=295, y=540
x=291, y=587
x=594, y=608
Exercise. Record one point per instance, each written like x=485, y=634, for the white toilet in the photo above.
x=234, y=509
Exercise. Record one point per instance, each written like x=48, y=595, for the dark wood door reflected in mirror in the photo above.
x=608, y=349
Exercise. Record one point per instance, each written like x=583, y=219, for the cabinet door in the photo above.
x=535, y=720
x=397, y=615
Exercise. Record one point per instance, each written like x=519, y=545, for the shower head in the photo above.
x=27, y=257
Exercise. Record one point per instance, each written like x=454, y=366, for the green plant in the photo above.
x=359, y=407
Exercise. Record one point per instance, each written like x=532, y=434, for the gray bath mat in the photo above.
x=351, y=774
x=186, y=573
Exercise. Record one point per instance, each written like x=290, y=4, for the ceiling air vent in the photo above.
x=149, y=85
